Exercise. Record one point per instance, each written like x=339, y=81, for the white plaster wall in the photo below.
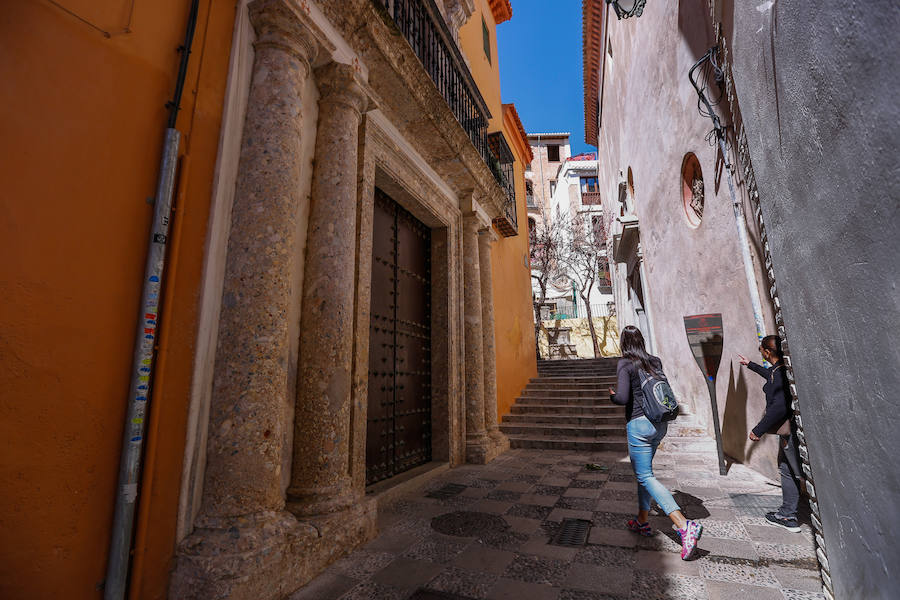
x=649, y=122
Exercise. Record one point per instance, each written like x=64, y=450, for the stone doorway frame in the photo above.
x=387, y=162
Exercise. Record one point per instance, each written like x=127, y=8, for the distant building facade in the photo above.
x=550, y=150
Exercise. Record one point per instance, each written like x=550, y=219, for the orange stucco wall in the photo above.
x=513, y=313
x=82, y=128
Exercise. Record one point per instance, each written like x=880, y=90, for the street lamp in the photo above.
x=627, y=8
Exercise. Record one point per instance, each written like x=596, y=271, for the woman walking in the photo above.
x=643, y=438
x=777, y=420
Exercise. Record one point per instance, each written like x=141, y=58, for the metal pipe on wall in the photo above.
x=743, y=239
x=139, y=392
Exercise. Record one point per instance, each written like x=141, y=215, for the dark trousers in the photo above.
x=791, y=474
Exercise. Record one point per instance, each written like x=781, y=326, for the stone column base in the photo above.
x=500, y=441
x=266, y=556
x=482, y=449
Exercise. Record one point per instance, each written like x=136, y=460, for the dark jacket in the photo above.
x=778, y=400
x=628, y=387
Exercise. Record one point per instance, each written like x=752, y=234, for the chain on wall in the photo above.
x=743, y=155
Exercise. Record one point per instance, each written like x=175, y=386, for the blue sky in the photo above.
x=540, y=67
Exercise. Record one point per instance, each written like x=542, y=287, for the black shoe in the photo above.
x=790, y=524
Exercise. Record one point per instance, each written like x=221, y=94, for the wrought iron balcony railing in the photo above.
x=424, y=28
x=590, y=198
x=502, y=165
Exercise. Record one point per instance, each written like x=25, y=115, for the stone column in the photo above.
x=243, y=535
x=478, y=445
x=247, y=412
x=320, y=476
x=486, y=237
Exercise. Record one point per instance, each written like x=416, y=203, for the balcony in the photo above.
x=590, y=199
x=501, y=165
x=424, y=28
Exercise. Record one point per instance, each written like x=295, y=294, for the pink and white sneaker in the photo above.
x=641, y=528
x=690, y=535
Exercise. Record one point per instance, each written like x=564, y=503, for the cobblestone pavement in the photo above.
x=484, y=532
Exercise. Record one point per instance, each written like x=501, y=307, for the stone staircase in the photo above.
x=567, y=407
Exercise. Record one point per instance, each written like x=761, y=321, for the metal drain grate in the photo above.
x=448, y=491
x=572, y=532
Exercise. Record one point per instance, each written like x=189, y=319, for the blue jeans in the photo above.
x=643, y=438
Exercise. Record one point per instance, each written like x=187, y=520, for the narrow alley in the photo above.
x=449, y=300
x=492, y=532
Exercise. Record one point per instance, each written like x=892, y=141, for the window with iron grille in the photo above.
x=502, y=165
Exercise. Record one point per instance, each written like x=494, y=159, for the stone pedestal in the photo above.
x=321, y=481
x=486, y=238
x=479, y=448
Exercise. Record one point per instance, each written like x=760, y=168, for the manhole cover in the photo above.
x=446, y=492
x=572, y=532
x=468, y=524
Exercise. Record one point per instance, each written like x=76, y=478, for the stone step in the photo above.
x=569, y=385
x=606, y=444
x=591, y=379
x=551, y=407
x=573, y=365
x=564, y=366
x=552, y=399
x=567, y=392
x=561, y=430
x=575, y=373
x=589, y=420
x=581, y=361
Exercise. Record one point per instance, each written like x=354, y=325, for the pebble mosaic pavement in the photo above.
x=432, y=548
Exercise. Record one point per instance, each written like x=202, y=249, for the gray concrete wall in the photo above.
x=817, y=85
x=649, y=122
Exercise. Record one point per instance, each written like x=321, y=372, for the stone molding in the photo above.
x=411, y=184
x=408, y=96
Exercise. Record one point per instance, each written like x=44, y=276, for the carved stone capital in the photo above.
x=278, y=24
x=486, y=237
x=473, y=222
x=340, y=85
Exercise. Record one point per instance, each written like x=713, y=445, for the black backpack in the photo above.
x=659, y=401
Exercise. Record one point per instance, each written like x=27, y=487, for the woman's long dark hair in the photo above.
x=632, y=344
